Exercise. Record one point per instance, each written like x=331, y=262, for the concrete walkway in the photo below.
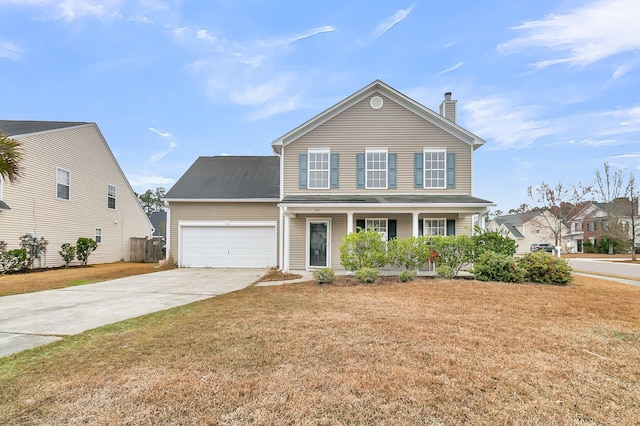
x=34, y=319
x=626, y=273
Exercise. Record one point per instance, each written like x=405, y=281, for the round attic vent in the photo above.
x=376, y=102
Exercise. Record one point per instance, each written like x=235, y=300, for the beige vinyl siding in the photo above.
x=213, y=211
x=392, y=127
x=35, y=208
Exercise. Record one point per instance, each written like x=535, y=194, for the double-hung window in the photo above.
x=63, y=183
x=435, y=168
x=380, y=226
x=98, y=235
x=376, y=169
x=434, y=227
x=111, y=197
x=318, y=169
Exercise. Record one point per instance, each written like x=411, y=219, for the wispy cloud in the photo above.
x=141, y=180
x=159, y=155
x=453, y=68
x=285, y=41
x=160, y=132
x=584, y=35
x=10, y=51
x=390, y=22
x=508, y=125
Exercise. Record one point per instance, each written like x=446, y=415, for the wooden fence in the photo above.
x=146, y=250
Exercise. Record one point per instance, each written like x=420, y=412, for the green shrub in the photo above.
x=452, y=253
x=35, y=248
x=492, y=241
x=324, y=276
x=15, y=260
x=84, y=247
x=364, y=249
x=445, y=271
x=68, y=253
x=406, y=254
x=542, y=267
x=367, y=275
x=491, y=266
x=407, y=275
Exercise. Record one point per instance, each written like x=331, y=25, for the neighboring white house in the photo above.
x=70, y=186
x=526, y=229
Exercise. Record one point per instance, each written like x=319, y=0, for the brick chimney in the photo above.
x=448, y=107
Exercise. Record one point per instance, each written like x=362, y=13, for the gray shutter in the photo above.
x=418, y=165
x=451, y=227
x=392, y=231
x=333, y=171
x=360, y=170
x=302, y=171
x=420, y=227
x=451, y=170
x=391, y=166
x=360, y=225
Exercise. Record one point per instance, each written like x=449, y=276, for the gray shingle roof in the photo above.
x=229, y=177
x=383, y=199
x=516, y=219
x=20, y=127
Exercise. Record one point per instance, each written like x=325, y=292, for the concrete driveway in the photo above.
x=34, y=319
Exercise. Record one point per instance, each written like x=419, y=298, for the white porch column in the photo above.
x=287, y=240
x=415, y=223
x=349, y=222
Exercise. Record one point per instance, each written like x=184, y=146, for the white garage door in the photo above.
x=228, y=246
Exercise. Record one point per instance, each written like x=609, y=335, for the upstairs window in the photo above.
x=435, y=168
x=318, y=169
x=591, y=226
x=111, y=197
x=376, y=169
x=63, y=183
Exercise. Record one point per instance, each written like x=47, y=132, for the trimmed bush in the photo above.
x=491, y=266
x=364, y=249
x=84, y=247
x=451, y=254
x=68, y=253
x=407, y=275
x=367, y=275
x=324, y=276
x=542, y=267
x=15, y=260
x=407, y=254
x=445, y=271
x=492, y=241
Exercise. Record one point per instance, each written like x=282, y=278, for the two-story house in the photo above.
x=376, y=160
x=70, y=186
x=527, y=229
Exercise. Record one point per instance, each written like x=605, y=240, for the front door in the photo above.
x=318, y=243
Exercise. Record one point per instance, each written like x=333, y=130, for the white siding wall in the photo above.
x=34, y=206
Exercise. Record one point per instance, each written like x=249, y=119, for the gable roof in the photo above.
x=378, y=87
x=516, y=219
x=229, y=178
x=22, y=127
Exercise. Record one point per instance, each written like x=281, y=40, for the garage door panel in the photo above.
x=228, y=246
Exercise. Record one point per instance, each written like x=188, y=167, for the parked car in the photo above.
x=542, y=247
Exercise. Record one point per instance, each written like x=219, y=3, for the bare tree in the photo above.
x=632, y=194
x=562, y=201
x=609, y=189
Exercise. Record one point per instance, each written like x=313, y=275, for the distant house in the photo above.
x=377, y=160
x=159, y=222
x=592, y=224
x=526, y=228
x=71, y=186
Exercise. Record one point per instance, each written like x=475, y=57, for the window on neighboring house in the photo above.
x=318, y=169
x=592, y=241
x=435, y=227
x=111, y=197
x=537, y=230
x=435, y=168
x=376, y=169
x=380, y=226
x=605, y=225
x=592, y=226
x=98, y=235
x=63, y=182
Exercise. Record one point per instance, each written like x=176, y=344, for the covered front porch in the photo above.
x=312, y=229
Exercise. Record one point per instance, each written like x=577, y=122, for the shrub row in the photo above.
x=539, y=267
x=32, y=248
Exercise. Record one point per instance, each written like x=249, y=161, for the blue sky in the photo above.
x=552, y=86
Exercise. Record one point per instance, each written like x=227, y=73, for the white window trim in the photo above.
x=366, y=168
x=2, y=184
x=58, y=183
x=115, y=199
x=424, y=225
x=319, y=151
x=98, y=233
x=386, y=226
x=424, y=167
x=308, y=240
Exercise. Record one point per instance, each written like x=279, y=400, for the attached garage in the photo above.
x=227, y=244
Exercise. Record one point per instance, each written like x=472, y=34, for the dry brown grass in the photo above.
x=428, y=352
x=65, y=277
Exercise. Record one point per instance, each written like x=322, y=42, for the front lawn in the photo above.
x=428, y=352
